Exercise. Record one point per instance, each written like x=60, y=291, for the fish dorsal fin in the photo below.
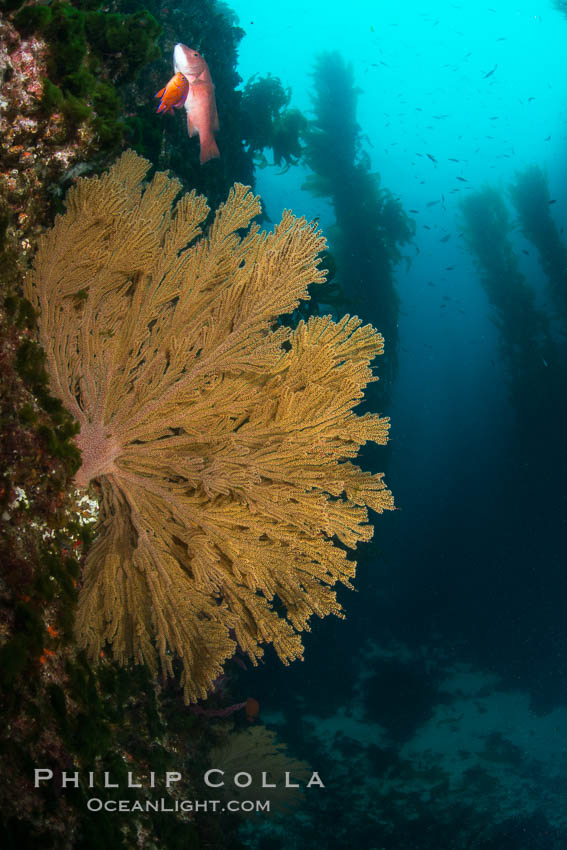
x=215, y=114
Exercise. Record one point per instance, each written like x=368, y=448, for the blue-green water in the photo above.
x=437, y=711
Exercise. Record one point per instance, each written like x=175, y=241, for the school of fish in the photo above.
x=192, y=87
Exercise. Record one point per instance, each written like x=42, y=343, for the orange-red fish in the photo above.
x=174, y=94
x=202, y=117
x=252, y=708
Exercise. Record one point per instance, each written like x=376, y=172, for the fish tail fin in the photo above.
x=209, y=150
x=162, y=107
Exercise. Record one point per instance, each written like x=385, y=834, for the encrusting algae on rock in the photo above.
x=221, y=441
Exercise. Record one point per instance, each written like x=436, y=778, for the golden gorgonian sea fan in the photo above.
x=219, y=439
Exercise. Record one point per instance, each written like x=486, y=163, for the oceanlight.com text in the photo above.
x=95, y=804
